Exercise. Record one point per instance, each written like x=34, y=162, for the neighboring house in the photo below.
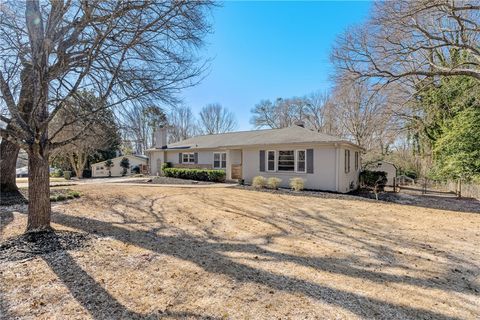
x=100, y=170
x=385, y=166
x=325, y=162
x=22, y=172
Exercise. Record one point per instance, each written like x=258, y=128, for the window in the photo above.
x=271, y=161
x=188, y=158
x=347, y=161
x=286, y=160
x=301, y=167
x=219, y=160
x=356, y=160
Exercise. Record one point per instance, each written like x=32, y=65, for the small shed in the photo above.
x=385, y=166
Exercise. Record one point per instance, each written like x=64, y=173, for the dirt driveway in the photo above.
x=211, y=253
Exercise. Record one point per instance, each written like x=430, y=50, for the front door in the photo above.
x=236, y=171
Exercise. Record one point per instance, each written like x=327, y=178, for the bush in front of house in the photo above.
x=274, y=182
x=136, y=170
x=297, y=184
x=259, y=182
x=376, y=180
x=125, y=164
x=195, y=174
x=58, y=173
x=166, y=165
x=67, y=175
x=373, y=179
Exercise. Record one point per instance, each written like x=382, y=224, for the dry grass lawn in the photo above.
x=176, y=253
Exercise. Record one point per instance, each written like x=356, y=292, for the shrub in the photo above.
x=58, y=173
x=67, y=175
x=74, y=194
x=69, y=196
x=195, y=174
x=297, y=184
x=274, y=182
x=61, y=197
x=125, y=164
x=166, y=165
x=87, y=173
x=373, y=179
x=259, y=182
x=53, y=199
x=136, y=170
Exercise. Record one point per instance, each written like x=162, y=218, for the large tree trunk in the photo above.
x=39, y=208
x=8, y=163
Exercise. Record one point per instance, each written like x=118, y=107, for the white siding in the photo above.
x=204, y=157
x=99, y=169
x=348, y=181
x=322, y=178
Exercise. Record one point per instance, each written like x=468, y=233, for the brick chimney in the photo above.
x=161, y=138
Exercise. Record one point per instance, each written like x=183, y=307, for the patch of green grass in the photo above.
x=74, y=194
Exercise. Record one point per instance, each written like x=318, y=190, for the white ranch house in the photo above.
x=325, y=162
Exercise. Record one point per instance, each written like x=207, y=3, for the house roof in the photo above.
x=290, y=135
x=140, y=156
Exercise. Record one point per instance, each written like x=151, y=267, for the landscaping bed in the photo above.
x=308, y=193
x=21, y=197
x=169, y=180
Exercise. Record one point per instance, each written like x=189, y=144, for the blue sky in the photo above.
x=266, y=50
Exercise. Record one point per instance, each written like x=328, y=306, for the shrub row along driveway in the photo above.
x=230, y=253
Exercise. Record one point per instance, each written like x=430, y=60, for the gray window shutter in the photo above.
x=180, y=157
x=195, y=155
x=309, y=160
x=262, y=160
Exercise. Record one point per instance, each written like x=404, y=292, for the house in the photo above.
x=385, y=166
x=325, y=162
x=22, y=172
x=100, y=170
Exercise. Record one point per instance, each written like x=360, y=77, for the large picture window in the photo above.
x=220, y=160
x=286, y=160
x=271, y=161
x=301, y=161
x=188, y=158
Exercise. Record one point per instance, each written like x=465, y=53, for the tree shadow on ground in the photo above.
x=93, y=297
x=6, y=217
x=210, y=256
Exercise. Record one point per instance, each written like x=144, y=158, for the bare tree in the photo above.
x=100, y=133
x=139, y=122
x=413, y=39
x=362, y=112
x=121, y=50
x=280, y=114
x=216, y=119
x=320, y=113
x=181, y=124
